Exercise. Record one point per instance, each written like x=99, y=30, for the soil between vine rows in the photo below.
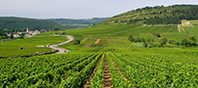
x=107, y=78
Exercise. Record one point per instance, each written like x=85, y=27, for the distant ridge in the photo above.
x=78, y=23
x=23, y=23
x=156, y=15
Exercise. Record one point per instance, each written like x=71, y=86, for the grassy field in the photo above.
x=117, y=35
x=11, y=48
x=111, y=36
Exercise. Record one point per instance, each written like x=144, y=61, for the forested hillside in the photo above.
x=23, y=23
x=78, y=23
x=156, y=15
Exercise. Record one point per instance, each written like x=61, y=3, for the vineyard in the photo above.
x=69, y=70
x=112, y=62
x=143, y=48
x=101, y=69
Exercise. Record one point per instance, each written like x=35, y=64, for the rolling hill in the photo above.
x=156, y=15
x=78, y=23
x=23, y=23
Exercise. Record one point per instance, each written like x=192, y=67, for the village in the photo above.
x=7, y=36
x=26, y=33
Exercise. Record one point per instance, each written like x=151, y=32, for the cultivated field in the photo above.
x=113, y=61
x=11, y=48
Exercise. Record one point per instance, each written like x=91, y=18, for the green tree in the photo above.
x=1, y=32
x=22, y=35
x=193, y=43
x=143, y=40
x=163, y=41
x=116, y=21
x=192, y=38
x=131, y=39
x=5, y=30
x=152, y=40
x=11, y=36
x=130, y=21
x=138, y=39
x=145, y=44
x=62, y=33
x=76, y=42
x=23, y=30
x=56, y=29
x=16, y=30
x=4, y=36
x=135, y=40
x=185, y=42
x=158, y=35
x=148, y=40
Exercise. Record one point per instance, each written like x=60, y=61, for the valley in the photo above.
x=110, y=54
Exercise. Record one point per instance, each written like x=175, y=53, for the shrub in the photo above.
x=143, y=40
x=131, y=38
x=138, y=39
x=76, y=42
x=163, y=41
x=193, y=43
x=148, y=40
x=192, y=38
x=185, y=42
x=145, y=44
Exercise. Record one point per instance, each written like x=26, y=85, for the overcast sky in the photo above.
x=77, y=9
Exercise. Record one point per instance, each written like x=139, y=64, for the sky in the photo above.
x=77, y=9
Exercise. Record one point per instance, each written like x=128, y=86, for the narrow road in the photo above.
x=62, y=50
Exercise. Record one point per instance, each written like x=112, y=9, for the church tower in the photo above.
x=27, y=30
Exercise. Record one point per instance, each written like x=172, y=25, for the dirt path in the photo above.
x=62, y=50
x=88, y=45
x=151, y=34
x=87, y=85
x=107, y=80
x=179, y=27
x=183, y=30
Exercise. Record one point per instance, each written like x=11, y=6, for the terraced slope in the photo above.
x=156, y=15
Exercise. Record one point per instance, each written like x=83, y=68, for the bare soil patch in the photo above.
x=186, y=24
x=88, y=45
x=97, y=41
x=151, y=34
x=85, y=39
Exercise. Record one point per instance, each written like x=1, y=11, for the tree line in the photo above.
x=163, y=41
x=177, y=15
